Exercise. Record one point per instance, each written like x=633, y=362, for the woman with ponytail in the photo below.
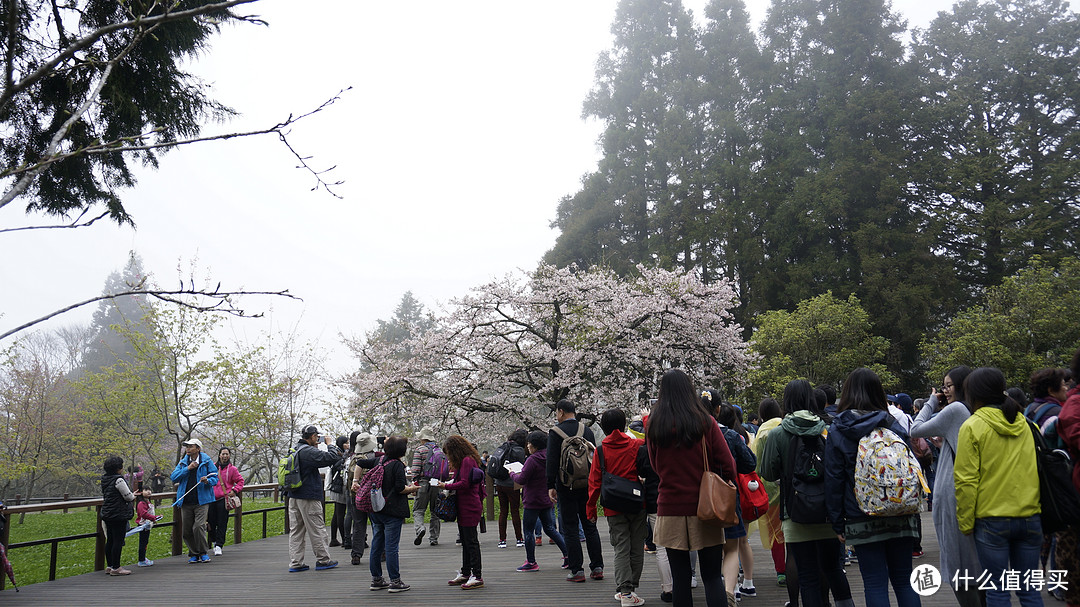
x=997, y=485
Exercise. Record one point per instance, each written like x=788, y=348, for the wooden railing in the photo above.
x=99, y=548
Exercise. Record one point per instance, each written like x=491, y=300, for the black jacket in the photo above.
x=554, y=448
x=311, y=459
x=116, y=507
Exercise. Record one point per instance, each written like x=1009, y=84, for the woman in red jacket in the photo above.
x=678, y=428
x=469, y=485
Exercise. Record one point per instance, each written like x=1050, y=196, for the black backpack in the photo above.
x=805, y=502
x=506, y=453
x=1059, y=499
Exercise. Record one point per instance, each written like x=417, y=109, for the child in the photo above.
x=470, y=495
x=145, y=515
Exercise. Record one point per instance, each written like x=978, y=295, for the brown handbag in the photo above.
x=232, y=501
x=716, y=497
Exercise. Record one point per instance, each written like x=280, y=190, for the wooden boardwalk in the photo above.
x=255, y=573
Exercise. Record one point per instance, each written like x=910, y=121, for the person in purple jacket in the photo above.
x=469, y=485
x=538, y=505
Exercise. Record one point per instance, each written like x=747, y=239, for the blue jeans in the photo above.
x=884, y=562
x=386, y=535
x=1007, y=543
x=535, y=517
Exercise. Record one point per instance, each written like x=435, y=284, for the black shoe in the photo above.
x=334, y=543
x=346, y=546
x=665, y=597
x=419, y=537
x=355, y=560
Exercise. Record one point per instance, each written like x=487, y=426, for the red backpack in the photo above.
x=753, y=499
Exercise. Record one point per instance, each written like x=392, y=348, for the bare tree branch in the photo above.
x=135, y=144
x=215, y=301
x=73, y=224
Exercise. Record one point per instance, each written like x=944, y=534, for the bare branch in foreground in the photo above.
x=210, y=301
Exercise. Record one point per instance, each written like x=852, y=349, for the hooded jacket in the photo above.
x=620, y=458
x=205, y=493
x=533, y=481
x=996, y=474
x=841, y=450
x=774, y=464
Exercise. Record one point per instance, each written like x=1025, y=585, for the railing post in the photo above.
x=52, y=560
x=5, y=534
x=66, y=499
x=99, y=543
x=238, y=523
x=18, y=499
x=276, y=496
x=177, y=530
x=489, y=482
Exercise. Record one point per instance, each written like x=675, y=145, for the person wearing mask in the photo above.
x=230, y=483
x=306, y=511
x=683, y=439
x=997, y=486
x=195, y=476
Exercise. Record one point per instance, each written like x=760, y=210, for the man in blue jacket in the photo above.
x=306, y=514
x=195, y=468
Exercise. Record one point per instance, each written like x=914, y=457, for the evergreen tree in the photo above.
x=114, y=317
x=1001, y=135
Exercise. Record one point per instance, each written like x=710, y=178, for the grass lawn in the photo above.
x=76, y=557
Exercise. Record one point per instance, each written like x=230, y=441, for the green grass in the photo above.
x=76, y=557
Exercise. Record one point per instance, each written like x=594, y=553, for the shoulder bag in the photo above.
x=716, y=497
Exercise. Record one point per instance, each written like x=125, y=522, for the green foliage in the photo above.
x=1026, y=323
x=77, y=80
x=823, y=340
x=824, y=154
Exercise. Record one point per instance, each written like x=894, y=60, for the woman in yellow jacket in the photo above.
x=997, y=489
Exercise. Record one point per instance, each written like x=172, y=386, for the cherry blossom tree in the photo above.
x=507, y=352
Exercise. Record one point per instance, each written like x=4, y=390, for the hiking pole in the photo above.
x=180, y=499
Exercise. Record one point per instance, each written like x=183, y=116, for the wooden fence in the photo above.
x=99, y=533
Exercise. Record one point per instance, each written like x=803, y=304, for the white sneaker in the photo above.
x=630, y=600
x=217, y=550
x=146, y=563
x=693, y=581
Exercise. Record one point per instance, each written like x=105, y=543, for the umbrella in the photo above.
x=142, y=527
x=7, y=567
x=180, y=499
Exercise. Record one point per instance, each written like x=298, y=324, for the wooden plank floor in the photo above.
x=255, y=573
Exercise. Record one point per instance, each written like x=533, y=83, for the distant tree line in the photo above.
x=833, y=150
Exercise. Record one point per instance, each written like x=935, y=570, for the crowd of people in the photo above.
x=841, y=478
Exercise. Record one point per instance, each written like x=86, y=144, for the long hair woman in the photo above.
x=882, y=543
x=469, y=485
x=813, y=552
x=942, y=415
x=677, y=429
x=997, y=484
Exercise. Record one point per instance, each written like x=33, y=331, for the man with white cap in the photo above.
x=425, y=497
x=306, y=514
x=195, y=469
